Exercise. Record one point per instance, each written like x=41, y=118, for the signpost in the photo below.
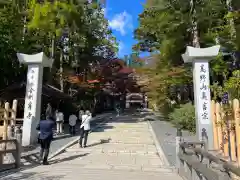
x=32, y=109
x=200, y=58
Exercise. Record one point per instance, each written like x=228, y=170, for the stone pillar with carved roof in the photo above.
x=200, y=58
x=32, y=108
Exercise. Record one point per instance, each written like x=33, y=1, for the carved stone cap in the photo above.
x=193, y=53
x=39, y=58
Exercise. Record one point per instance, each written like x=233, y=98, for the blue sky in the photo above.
x=123, y=19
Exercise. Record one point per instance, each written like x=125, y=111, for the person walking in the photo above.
x=59, y=121
x=49, y=112
x=85, y=128
x=45, y=138
x=72, y=123
x=80, y=113
x=117, y=108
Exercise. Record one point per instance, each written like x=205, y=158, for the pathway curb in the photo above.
x=62, y=149
x=158, y=146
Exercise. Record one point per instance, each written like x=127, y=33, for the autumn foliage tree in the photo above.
x=167, y=27
x=33, y=26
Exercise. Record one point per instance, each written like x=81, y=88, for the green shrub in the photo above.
x=184, y=117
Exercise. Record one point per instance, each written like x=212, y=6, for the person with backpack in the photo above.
x=85, y=128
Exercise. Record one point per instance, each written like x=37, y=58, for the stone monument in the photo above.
x=200, y=58
x=32, y=108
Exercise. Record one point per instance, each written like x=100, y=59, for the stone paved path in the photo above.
x=121, y=149
x=60, y=141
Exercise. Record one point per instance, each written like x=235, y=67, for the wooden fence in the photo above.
x=7, y=118
x=10, y=154
x=11, y=135
x=226, y=129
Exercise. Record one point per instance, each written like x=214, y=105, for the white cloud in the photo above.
x=120, y=48
x=106, y=10
x=121, y=22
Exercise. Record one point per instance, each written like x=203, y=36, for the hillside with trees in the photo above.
x=166, y=28
x=73, y=33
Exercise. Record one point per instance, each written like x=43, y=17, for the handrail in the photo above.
x=194, y=162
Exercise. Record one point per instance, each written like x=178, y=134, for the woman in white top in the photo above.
x=59, y=121
x=85, y=128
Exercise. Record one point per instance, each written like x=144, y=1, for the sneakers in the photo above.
x=80, y=146
x=45, y=163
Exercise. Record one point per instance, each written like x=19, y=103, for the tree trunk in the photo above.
x=61, y=72
x=231, y=20
x=50, y=78
x=196, y=39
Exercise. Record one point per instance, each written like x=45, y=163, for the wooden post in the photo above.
x=18, y=136
x=14, y=112
x=6, y=117
x=236, y=116
x=225, y=132
x=232, y=133
x=9, y=132
x=215, y=125
x=219, y=126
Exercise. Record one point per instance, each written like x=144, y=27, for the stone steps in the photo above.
x=67, y=172
x=109, y=150
x=131, y=162
x=116, y=151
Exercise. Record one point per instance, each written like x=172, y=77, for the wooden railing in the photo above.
x=226, y=129
x=8, y=116
x=10, y=154
x=195, y=162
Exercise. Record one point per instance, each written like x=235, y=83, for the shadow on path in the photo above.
x=20, y=174
x=67, y=158
x=102, y=141
x=32, y=176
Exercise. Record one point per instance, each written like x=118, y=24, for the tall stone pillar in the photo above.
x=32, y=108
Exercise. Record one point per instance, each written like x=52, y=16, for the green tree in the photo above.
x=39, y=25
x=168, y=27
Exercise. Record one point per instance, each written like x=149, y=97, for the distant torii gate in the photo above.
x=136, y=98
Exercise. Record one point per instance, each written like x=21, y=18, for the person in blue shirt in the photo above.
x=45, y=137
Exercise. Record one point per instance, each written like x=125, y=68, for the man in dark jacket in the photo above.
x=45, y=137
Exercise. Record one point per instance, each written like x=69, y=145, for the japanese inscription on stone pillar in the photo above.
x=204, y=96
x=30, y=93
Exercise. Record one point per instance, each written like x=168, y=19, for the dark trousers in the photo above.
x=45, y=145
x=83, y=134
x=72, y=130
